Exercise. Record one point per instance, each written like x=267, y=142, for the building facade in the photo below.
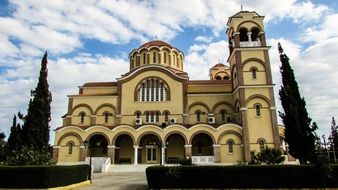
x=155, y=114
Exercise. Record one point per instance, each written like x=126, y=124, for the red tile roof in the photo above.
x=156, y=43
x=99, y=84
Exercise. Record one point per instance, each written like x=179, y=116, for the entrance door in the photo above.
x=151, y=154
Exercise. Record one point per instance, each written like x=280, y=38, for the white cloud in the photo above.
x=202, y=57
x=205, y=39
x=328, y=29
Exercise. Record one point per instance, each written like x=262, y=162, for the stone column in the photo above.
x=163, y=154
x=249, y=37
x=111, y=153
x=185, y=118
x=92, y=120
x=83, y=153
x=188, y=150
x=217, y=153
x=118, y=119
x=56, y=153
x=135, y=155
x=236, y=39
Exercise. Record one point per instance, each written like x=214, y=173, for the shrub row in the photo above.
x=226, y=177
x=42, y=176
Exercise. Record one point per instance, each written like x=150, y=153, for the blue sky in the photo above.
x=90, y=41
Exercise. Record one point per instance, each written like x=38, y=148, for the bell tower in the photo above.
x=252, y=82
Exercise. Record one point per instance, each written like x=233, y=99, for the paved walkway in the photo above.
x=120, y=177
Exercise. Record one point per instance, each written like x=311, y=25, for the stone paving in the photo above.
x=120, y=177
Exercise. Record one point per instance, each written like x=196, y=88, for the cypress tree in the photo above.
x=2, y=146
x=334, y=135
x=35, y=130
x=299, y=133
x=14, y=140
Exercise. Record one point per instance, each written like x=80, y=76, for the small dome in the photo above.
x=158, y=43
x=219, y=65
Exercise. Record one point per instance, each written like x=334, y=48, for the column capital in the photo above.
x=187, y=146
x=82, y=146
x=111, y=146
x=216, y=145
x=135, y=146
x=56, y=146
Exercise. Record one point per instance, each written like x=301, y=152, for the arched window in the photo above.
x=174, y=60
x=258, y=109
x=218, y=78
x=223, y=114
x=198, y=115
x=159, y=57
x=243, y=36
x=154, y=57
x=261, y=143
x=226, y=78
x=82, y=117
x=148, y=58
x=166, y=116
x=253, y=72
x=230, y=144
x=165, y=57
x=137, y=114
x=178, y=63
x=144, y=58
x=137, y=60
x=255, y=34
x=152, y=117
x=106, y=117
x=153, y=90
x=70, y=146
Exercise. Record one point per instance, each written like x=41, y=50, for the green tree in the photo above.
x=14, y=140
x=35, y=129
x=299, y=133
x=334, y=135
x=269, y=156
x=2, y=146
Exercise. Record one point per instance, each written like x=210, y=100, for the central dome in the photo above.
x=157, y=43
x=157, y=52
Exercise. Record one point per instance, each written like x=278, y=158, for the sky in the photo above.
x=90, y=41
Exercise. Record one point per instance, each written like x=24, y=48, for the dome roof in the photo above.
x=219, y=65
x=158, y=43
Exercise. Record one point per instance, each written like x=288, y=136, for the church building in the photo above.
x=154, y=114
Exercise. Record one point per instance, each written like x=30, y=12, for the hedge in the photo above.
x=42, y=176
x=227, y=177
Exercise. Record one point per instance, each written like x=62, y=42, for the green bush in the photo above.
x=28, y=156
x=185, y=162
x=251, y=176
x=269, y=156
x=42, y=176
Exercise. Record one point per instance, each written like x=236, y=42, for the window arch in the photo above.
x=153, y=90
x=258, y=109
x=253, y=72
x=144, y=58
x=223, y=114
x=82, y=116
x=137, y=114
x=70, y=146
x=230, y=144
x=152, y=116
x=198, y=115
x=255, y=34
x=261, y=143
x=154, y=57
x=243, y=36
x=106, y=116
x=165, y=57
x=166, y=115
